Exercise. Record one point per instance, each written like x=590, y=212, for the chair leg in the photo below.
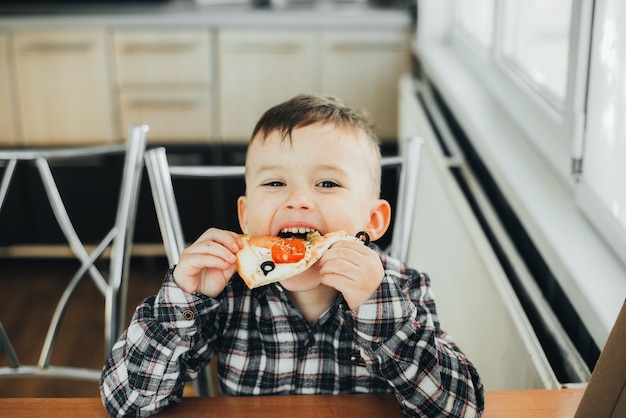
x=201, y=384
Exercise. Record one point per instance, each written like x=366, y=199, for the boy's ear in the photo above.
x=380, y=218
x=242, y=211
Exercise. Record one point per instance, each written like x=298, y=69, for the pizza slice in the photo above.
x=268, y=259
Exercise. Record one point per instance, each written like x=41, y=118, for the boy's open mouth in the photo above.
x=295, y=232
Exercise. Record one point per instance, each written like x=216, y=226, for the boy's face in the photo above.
x=321, y=181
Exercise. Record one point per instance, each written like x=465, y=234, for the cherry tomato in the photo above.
x=288, y=250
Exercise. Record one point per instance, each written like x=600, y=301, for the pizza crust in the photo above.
x=251, y=257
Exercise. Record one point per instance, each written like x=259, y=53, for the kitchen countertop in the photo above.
x=293, y=14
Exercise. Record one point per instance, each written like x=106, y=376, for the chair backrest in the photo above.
x=160, y=173
x=112, y=285
x=408, y=163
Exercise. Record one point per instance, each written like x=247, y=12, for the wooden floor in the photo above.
x=29, y=291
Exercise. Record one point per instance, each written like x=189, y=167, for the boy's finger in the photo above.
x=229, y=239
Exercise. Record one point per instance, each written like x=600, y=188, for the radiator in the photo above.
x=453, y=236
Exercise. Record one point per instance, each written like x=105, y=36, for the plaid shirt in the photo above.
x=264, y=346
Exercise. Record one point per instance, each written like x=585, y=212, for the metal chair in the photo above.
x=408, y=165
x=112, y=285
x=160, y=173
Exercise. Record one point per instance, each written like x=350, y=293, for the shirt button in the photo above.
x=188, y=315
x=355, y=359
x=311, y=342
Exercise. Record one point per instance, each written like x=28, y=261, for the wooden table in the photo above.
x=556, y=403
x=499, y=404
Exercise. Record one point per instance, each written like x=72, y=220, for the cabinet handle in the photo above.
x=156, y=48
x=164, y=104
x=56, y=47
x=265, y=48
x=368, y=46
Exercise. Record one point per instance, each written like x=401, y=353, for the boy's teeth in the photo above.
x=294, y=230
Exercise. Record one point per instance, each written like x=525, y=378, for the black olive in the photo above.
x=363, y=236
x=267, y=267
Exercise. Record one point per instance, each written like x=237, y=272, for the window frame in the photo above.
x=556, y=131
x=588, y=196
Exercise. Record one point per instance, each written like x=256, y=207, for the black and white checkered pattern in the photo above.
x=264, y=346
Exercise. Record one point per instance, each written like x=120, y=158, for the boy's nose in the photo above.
x=298, y=199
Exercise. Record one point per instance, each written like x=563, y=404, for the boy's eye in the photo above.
x=327, y=183
x=274, y=183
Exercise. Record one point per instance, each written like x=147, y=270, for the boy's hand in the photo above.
x=207, y=265
x=353, y=269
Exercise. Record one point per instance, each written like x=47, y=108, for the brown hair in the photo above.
x=309, y=109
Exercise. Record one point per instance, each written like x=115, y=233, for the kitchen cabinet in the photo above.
x=259, y=69
x=7, y=118
x=363, y=69
x=62, y=83
x=164, y=78
x=197, y=75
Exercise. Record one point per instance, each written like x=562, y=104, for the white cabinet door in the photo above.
x=162, y=58
x=259, y=69
x=164, y=79
x=63, y=87
x=363, y=69
x=7, y=110
x=174, y=115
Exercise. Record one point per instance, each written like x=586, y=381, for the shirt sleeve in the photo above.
x=401, y=341
x=159, y=352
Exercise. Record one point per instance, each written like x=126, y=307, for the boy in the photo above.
x=356, y=322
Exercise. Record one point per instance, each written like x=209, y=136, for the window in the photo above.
x=535, y=42
x=535, y=67
x=601, y=192
x=477, y=18
x=562, y=82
